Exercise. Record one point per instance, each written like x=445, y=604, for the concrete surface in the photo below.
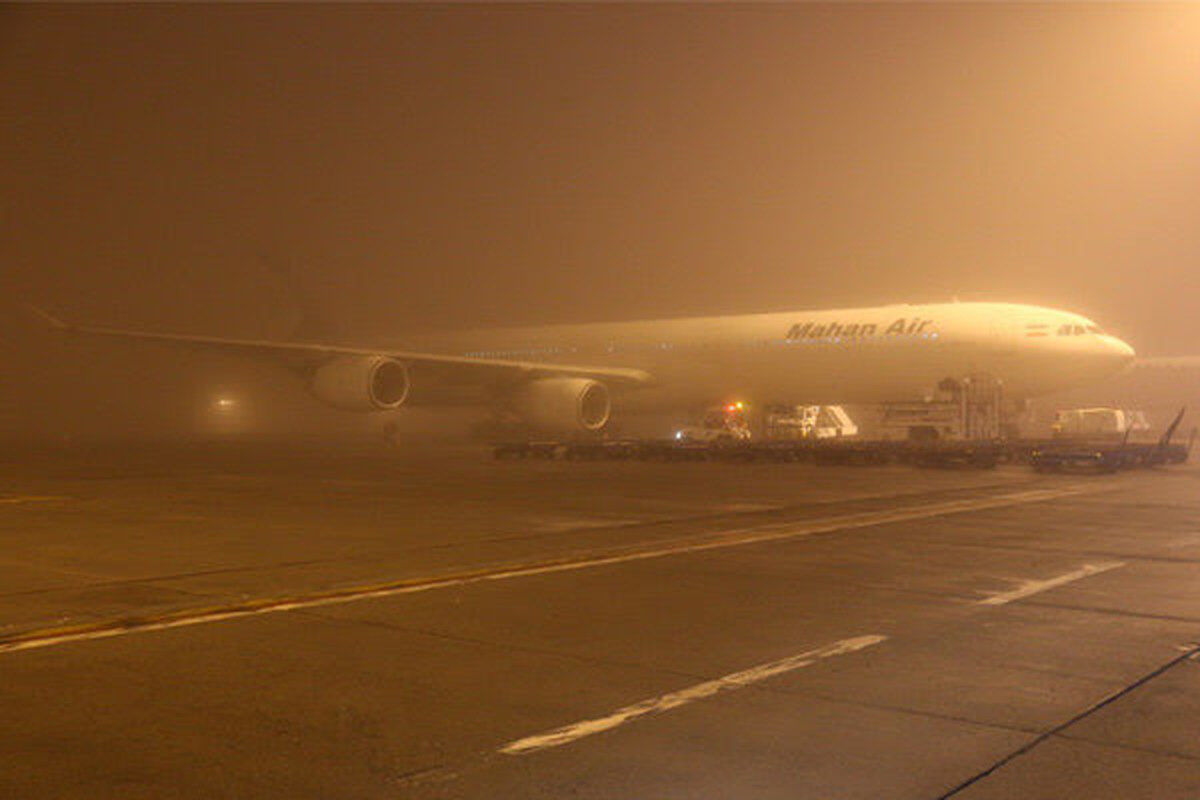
x=268, y=621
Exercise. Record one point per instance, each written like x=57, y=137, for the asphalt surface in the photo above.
x=284, y=622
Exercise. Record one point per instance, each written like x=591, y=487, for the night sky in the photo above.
x=419, y=167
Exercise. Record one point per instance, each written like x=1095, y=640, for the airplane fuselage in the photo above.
x=858, y=355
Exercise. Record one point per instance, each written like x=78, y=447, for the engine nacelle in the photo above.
x=361, y=383
x=563, y=404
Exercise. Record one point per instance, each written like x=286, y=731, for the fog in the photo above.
x=419, y=168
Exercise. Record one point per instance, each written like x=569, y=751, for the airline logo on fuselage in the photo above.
x=825, y=330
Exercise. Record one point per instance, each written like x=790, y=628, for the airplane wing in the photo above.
x=459, y=367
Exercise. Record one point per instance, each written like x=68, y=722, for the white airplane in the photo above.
x=565, y=378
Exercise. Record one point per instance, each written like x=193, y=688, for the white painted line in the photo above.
x=1028, y=588
x=30, y=498
x=745, y=508
x=106, y=629
x=656, y=705
x=567, y=524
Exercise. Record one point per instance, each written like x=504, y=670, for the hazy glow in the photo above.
x=471, y=165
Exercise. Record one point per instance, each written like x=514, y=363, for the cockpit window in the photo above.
x=1094, y=329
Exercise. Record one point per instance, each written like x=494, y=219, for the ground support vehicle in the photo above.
x=815, y=451
x=1044, y=455
x=1106, y=456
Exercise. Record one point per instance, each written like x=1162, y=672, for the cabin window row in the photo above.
x=1077, y=330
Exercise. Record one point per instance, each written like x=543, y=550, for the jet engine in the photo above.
x=361, y=383
x=563, y=404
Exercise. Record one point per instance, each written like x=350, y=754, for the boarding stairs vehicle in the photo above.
x=789, y=423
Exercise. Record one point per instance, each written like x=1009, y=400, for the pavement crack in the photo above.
x=1074, y=551
x=916, y=712
x=1130, y=747
x=1115, y=612
x=1082, y=715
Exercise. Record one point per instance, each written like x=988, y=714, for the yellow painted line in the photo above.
x=30, y=498
x=104, y=629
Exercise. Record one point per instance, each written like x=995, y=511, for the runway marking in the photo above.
x=104, y=629
x=666, y=702
x=566, y=524
x=30, y=498
x=1028, y=588
x=748, y=508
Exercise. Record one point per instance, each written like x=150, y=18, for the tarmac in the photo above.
x=285, y=621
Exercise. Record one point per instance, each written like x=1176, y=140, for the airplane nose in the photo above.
x=1120, y=352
